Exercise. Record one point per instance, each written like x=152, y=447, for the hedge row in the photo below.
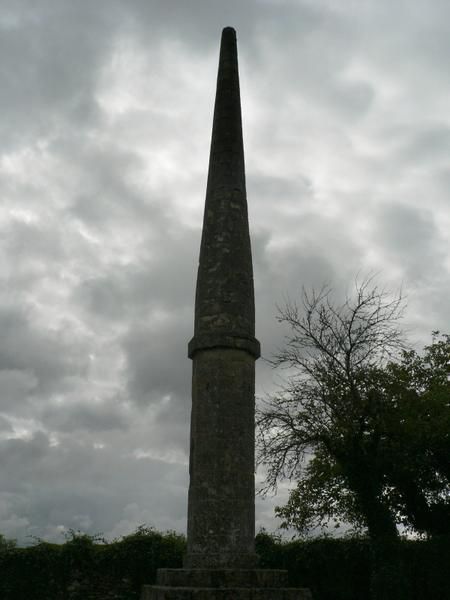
x=81, y=569
x=334, y=569
x=341, y=569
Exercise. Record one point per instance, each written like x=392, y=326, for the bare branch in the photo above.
x=330, y=346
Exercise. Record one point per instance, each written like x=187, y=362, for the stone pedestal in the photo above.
x=223, y=584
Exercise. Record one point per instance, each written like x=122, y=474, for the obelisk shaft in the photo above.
x=221, y=507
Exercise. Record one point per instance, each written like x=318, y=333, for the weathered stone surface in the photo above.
x=207, y=341
x=166, y=593
x=221, y=505
x=225, y=297
x=221, y=494
x=220, y=559
x=223, y=584
x=223, y=578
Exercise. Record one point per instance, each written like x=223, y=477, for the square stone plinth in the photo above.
x=165, y=593
x=223, y=584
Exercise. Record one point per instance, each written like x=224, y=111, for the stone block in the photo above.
x=223, y=578
x=223, y=584
x=156, y=592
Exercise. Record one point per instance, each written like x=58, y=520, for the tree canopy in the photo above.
x=362, y=424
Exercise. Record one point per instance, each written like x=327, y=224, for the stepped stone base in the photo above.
x=223, y=584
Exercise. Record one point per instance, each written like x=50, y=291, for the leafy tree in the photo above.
x=363, y=423
x=6, y=543
x=418, y=453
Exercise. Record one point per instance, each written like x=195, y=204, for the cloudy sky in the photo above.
x=106, y=111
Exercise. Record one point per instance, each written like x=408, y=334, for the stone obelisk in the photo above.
x=221, y=505
x=220, y=560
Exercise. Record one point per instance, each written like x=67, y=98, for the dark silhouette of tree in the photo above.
x=326, y=405
x=362, y=425
x=417, y=389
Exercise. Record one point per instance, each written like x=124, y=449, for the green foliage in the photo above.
x=418, y=437
x=342, y=569
x=6, y=544
x=363, y=424
x=86, y=567
x=405, y=443
x=330, y=406
x=334, y=569
x=321, y=497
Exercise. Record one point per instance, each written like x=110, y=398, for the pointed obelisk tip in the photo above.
x=229, y=33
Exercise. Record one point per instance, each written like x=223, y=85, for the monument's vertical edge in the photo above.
x=221, y=506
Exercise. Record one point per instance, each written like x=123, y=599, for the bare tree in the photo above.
x=329, y=405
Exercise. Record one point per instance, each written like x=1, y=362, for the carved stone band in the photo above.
x=218, y=340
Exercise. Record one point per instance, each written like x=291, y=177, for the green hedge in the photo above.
x=334, y=569
x=81, y=569
x=341, y=569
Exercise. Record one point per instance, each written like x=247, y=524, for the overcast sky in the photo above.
x=106, y=112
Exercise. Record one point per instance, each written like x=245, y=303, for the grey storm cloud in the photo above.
x=412, y=237
x=33, y=358
x=88, y=484
x=106, y=117
x=92, y=414
x=151, y=366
